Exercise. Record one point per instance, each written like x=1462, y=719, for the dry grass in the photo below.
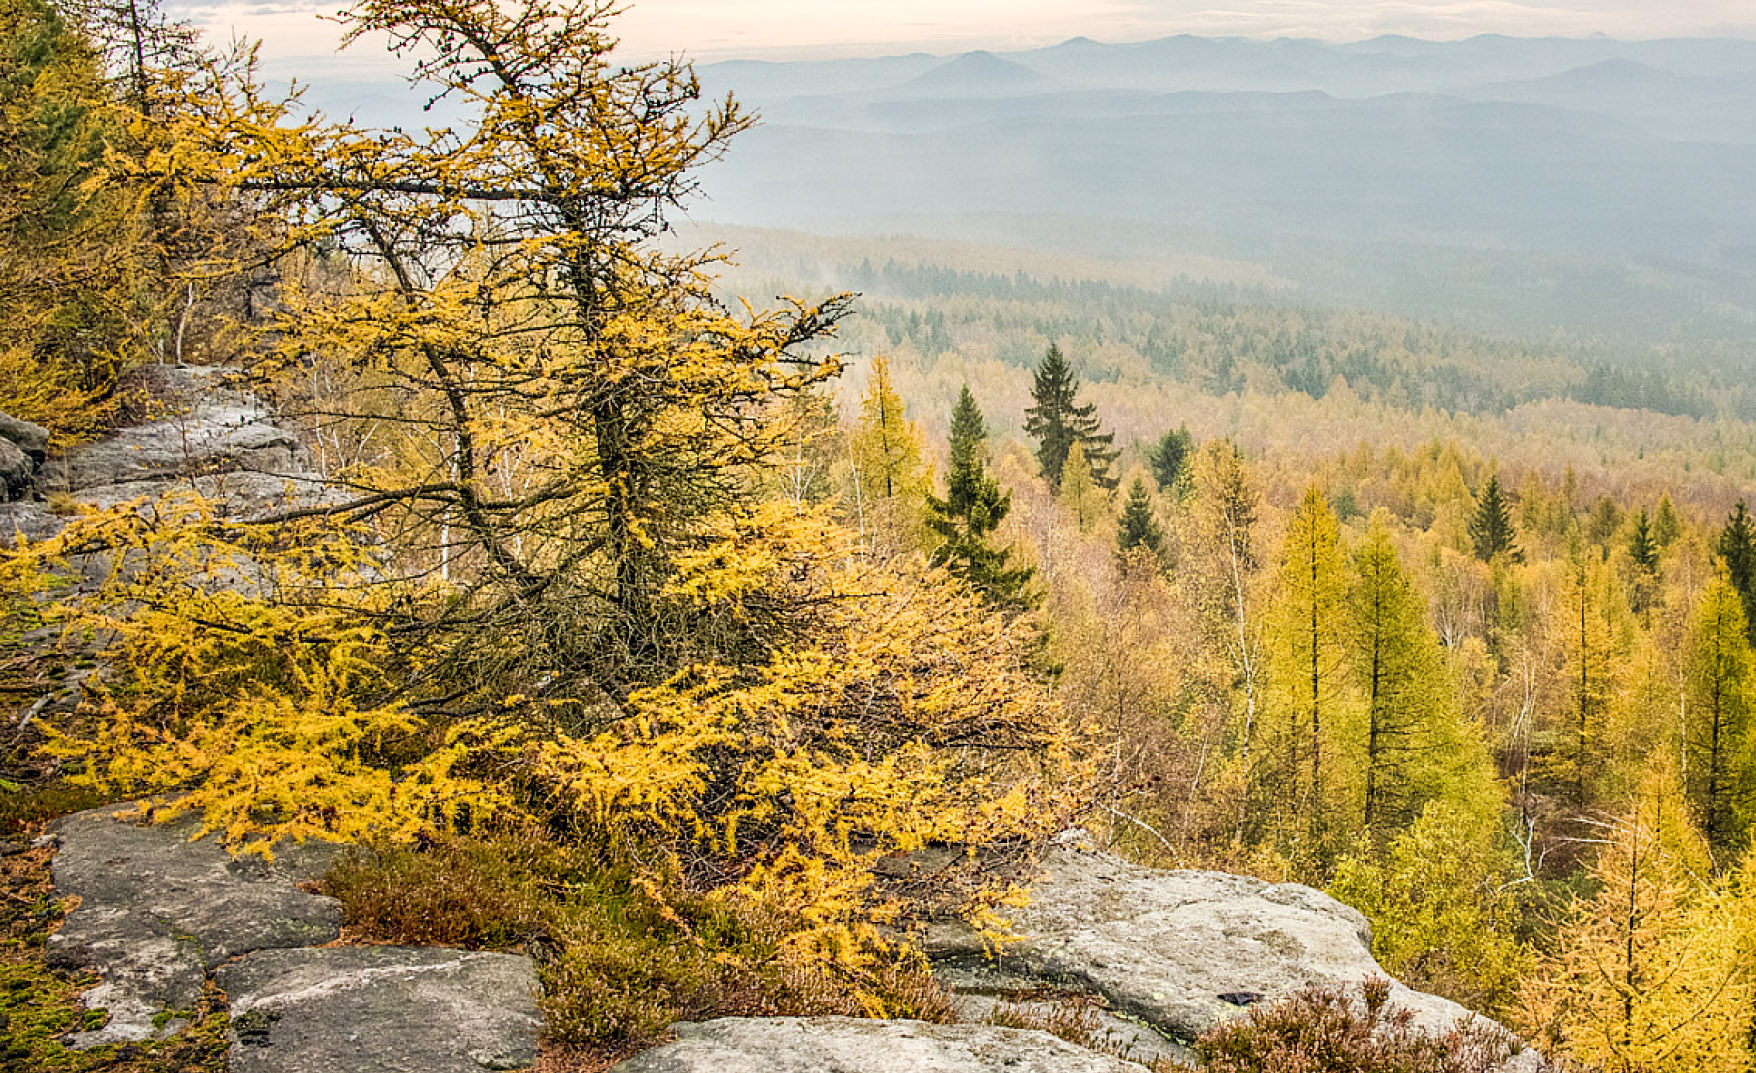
x=622, y=954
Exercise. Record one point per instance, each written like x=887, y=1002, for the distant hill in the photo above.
x=1619, y=176
x=977, y=73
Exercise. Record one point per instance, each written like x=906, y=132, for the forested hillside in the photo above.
x=1445, y=621
x=612, y=609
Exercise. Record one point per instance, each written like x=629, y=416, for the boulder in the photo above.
x=381, y=1009
x=203, y=424
x=28, y=520
x=157, y=911
x=1180, y=951
x=221, y=436
x=16, y=471
x=29, y=437
x=849, y=1045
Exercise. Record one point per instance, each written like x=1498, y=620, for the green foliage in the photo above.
x=1138, y=528
x=972, y=509
x=1443, y=915
x=623, y=953
x=1413, y=746
x=1737, y=547
x=1310, y=694
x=1643, y=547
x=1718, y=730
x=1666, y=525
x=890, y=477
x=1591, y=621
x=1491, y=528
x=1170, y=458
x=1080, y=493
x=1325, y=1030
x=1058, y=420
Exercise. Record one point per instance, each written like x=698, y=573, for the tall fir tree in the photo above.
x=1491, y=528
x=891, y=481
x=1666, y=525
x=1643, y=549
x=1170, y=458
x=972, y=509
x=1717, y=731
x=1139, y=531
x=1058, y=420
x=1737, y=546
x=1642, y=545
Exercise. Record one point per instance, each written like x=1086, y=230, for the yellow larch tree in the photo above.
x=1647, y=976
x=1311, y=700
x=891, y=478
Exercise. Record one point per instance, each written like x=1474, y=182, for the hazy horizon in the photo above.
x=298, y=35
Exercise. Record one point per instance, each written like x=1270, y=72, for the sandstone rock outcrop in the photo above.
x=208, y=436
x=388, y=1009
x=1177, y=951
x=157, y=912
x=845, y=1045
x=28, y=436
x=16, y=471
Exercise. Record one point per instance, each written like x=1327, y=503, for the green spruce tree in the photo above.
x=1666, y=525
x=972, y=509
x=1643, y=556
x=1737, y=547
x=1169, y=459
x=1139, y=531
x=1642, y=545
x=1491, y=528
x=1059, y=420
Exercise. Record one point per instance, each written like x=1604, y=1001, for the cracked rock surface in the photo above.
x=381, y=1008
x=1179, y=951
x=848, y=1045
x=159, y=915
x=157, y=912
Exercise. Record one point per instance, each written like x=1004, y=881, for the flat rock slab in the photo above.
x=848, y=1045
x=157, y=912
x=1180, y=950
x=381, y=1009
x=203, y=426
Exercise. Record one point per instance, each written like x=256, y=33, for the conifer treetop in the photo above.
x=1058, y=420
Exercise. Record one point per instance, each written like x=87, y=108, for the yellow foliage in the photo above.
x=238, y=694
x=1648, y=975
x=904, y=717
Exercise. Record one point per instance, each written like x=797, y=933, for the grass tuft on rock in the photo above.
x=1327, y=1030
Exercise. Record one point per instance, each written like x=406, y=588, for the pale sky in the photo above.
x=296, y=41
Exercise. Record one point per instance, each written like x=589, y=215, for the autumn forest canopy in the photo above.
x=631, y=615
